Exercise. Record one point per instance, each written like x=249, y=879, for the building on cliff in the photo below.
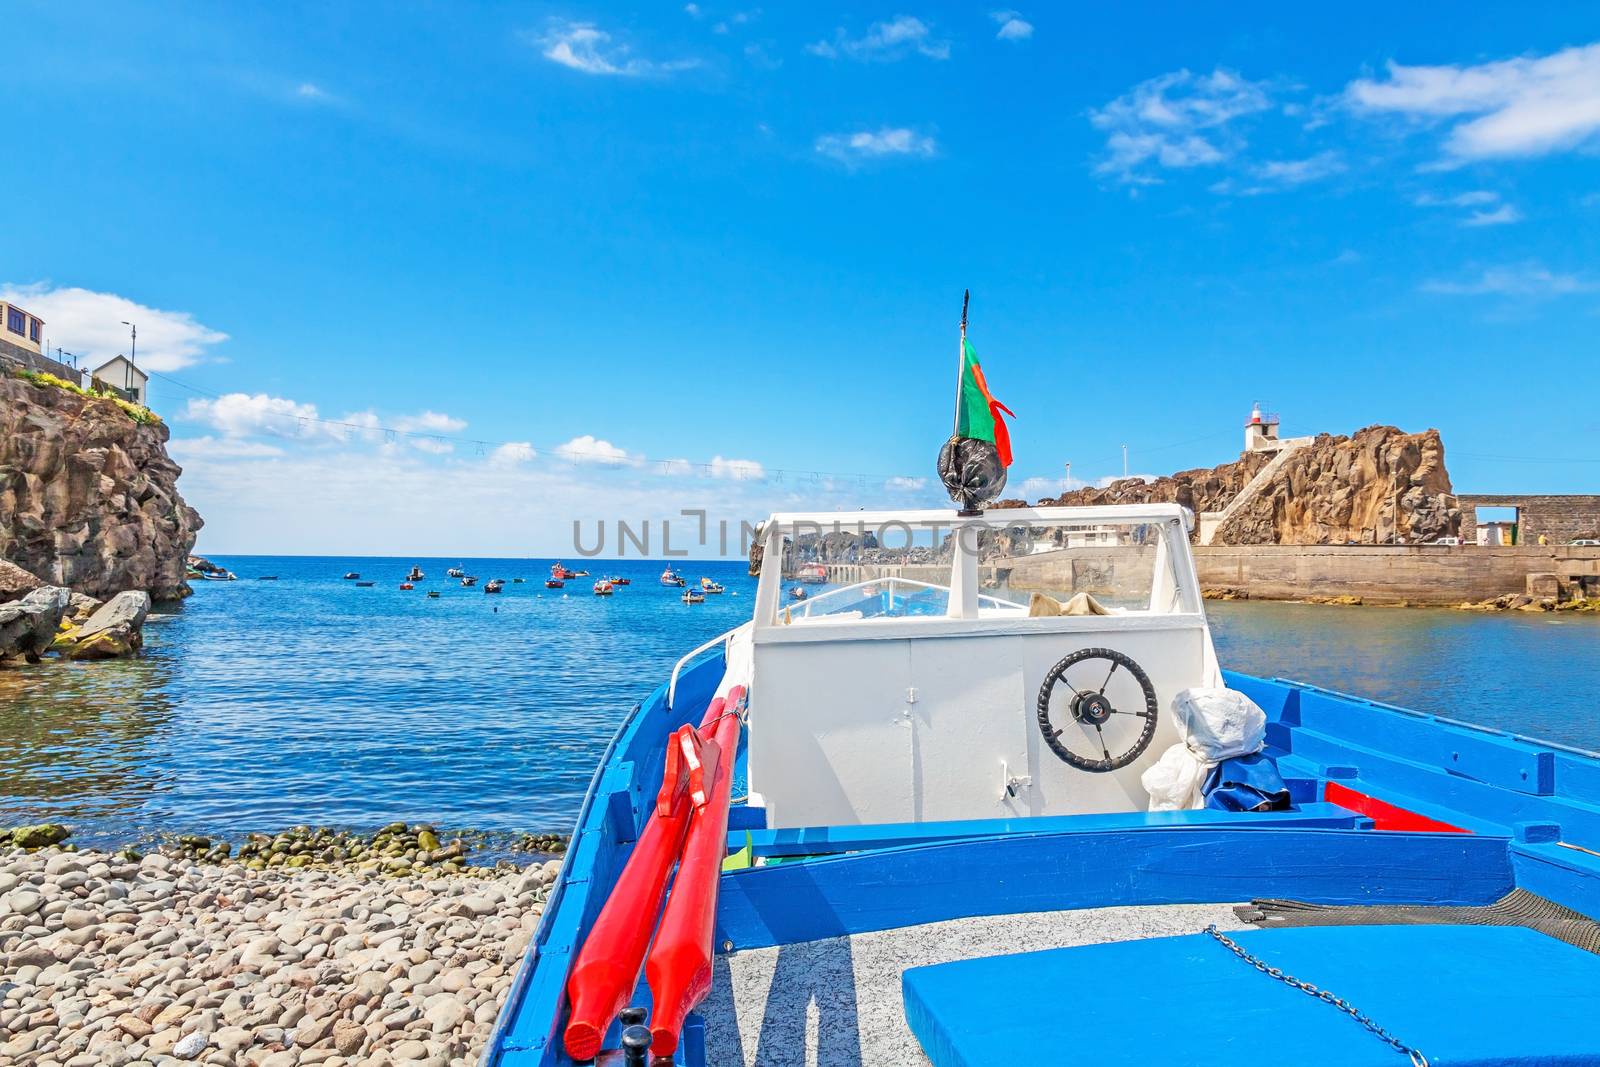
x=22, y=344
x=120, y=375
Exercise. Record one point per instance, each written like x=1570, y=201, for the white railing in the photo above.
x=672, y=684
x=803, y=608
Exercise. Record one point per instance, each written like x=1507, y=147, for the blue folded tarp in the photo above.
x=1462, y=995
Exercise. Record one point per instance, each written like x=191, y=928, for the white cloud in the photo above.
x=876, y=144
x=1528, y=106
x=1524, y=280
x=1176, y=120
x=1038, y=488
x=901, y=484
x=738, y=470
x=313, y=93
x=1013, y=27
x=692, y=10
x=208, y=447
x=584, y=47
x=431, y=445
x=430, y=422
x=1300, y=171
x=90, y=325
x=247, y=415
x=1473, y=198
x=1500, y=216
x=590, y=449
x=512, y=453
x=894, y=39
x=1280, y=174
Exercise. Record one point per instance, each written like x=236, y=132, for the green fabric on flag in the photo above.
x=974, y=418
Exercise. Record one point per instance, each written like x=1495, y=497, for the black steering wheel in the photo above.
x=1090, y=707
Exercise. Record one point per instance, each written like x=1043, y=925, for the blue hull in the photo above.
x=1525, y=813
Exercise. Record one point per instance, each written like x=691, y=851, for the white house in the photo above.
x=121, y=374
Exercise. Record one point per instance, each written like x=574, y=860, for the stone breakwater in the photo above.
x=107, y=960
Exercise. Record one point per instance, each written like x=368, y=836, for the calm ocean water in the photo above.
x=260, y=705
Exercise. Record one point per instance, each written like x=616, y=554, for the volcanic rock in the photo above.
x=116, y=629
x=27, y=626
x=88, y=494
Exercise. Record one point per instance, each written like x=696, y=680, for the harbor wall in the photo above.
x=1388, y=574
x=1560, y=518
x=1378, y=574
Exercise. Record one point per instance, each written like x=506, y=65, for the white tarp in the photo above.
x=1215, y=724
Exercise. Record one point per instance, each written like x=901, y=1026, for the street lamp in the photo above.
x=133, y=351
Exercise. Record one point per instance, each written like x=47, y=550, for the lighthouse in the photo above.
x=1261, y=431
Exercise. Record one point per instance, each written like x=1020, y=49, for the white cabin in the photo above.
x=915, y=695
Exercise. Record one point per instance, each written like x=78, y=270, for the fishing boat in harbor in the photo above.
x=494, y=585
x=982, y=822
x=709, y=587
x=671, y=577
x=407, y=585
x=554, y=583
x=603, y=588
x=352, y=576
x=621, y=581
x=366, y=585
x=693, y=596
x=455, y=572
x=470, y=580
x=811, y=574
x=415, y=574
x=798, y=593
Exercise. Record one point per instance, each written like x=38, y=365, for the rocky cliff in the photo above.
x=1375, y=486
x=88, y=496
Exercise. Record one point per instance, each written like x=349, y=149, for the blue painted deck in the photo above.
x=1187, y=1000
x=1525, y=802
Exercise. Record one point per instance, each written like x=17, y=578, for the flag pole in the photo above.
x=961, y=358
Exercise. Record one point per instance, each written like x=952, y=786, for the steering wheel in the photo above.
x=1091, y=707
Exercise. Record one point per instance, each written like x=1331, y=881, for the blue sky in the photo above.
x=710, y=243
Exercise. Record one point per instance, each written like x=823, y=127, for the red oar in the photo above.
x=607, y=968
x=679, y=966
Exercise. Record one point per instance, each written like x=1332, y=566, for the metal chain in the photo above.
x=1416, y=1057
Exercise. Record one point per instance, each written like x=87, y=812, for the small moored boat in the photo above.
x=671, y=577
x=621, y=581
x=709, y=587
x=416, y=574
x=602, y=588
x=433, y=594
x=455, y=572
x=469, y=580
x=553, y=583
x=494, y=585
x=798, y=593
x=407, y=585
x=693, y=596
x=352, y=576
x=365, y=585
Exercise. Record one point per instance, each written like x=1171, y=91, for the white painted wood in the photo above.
x=867, y=719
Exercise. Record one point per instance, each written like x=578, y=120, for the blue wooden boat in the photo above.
x=939, y=843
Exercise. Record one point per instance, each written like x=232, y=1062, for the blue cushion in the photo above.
x=1462, y=995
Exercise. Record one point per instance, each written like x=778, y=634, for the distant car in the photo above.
x=1588, y=542
x=1446, y=541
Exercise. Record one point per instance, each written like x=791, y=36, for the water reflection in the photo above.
x=82, y=739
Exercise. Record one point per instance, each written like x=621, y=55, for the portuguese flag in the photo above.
x=977, y=411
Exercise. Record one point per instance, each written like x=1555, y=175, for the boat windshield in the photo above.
x=902, y=569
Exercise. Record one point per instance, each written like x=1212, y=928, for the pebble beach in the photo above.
x=114, y=959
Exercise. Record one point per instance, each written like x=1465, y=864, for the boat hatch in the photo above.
x=918, y=681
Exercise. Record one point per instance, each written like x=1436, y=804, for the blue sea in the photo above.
x=260, y=705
